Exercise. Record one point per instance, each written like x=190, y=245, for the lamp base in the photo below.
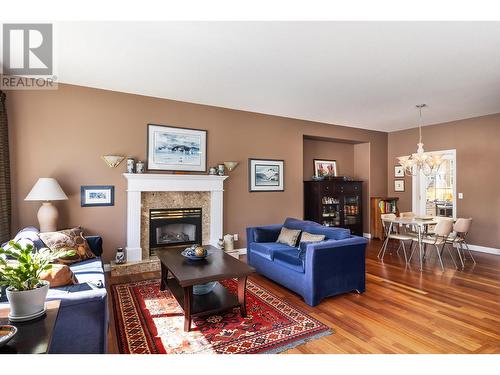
x=47, y=217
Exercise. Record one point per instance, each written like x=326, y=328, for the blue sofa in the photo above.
x=82, y=323
x=315, y=270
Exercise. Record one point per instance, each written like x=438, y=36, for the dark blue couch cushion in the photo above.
x=265, y=235
x=290, y=259
x=269, y=249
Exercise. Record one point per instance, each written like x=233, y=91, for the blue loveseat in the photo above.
x=315, y=270
x=82, y=323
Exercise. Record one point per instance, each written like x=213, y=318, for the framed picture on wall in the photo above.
x=399, y=185
x=266, y=175
x=325, y=168
x=97, y=196
x=176, y=149
x=399, y=171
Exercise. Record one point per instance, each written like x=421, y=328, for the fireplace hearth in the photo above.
x=171, y=227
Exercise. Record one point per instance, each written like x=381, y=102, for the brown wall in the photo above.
x=343, y=153
x=63, y=133
x=477, y=144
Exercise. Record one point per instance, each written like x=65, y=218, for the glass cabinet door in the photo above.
x=330, y=211
x=352, y=210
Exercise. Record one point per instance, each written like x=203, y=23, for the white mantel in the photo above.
x=149, y=182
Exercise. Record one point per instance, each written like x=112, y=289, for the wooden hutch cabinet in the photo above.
x=334, y=203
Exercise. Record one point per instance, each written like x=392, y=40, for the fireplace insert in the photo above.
x=170, y=227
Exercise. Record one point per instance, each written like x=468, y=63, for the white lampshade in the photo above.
x=46, y=189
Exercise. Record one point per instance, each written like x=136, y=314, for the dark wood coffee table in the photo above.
x=217, y=266
x=34, y=336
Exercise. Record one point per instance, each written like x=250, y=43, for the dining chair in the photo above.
x=392, y=233
x=439, y=239
x=457, y=239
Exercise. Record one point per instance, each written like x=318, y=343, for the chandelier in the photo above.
x=420, y=161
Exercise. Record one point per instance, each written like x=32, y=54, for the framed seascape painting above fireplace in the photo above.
x=176, y=149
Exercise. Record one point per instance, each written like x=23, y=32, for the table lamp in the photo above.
x=46, y=190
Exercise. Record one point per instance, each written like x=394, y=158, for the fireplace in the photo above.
x=170, y=227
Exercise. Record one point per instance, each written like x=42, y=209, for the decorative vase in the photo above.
x=27, y=302
x=120, y=256
x=130, y=165
x=139, y=167
x=220, y=169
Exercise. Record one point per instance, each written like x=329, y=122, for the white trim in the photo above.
x=242, y=251
x=483, y=249
x=107, y=267
x=367, y=235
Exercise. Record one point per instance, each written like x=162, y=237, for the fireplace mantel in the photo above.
x=149, y=182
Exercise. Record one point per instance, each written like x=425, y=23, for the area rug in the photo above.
x=151, y=321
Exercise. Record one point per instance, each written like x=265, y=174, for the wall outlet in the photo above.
x=460, y=195
x=235, y=236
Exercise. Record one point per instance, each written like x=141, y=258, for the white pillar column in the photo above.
x=216, y=216
x=133, y=249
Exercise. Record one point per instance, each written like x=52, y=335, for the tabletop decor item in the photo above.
x=230, y=165
x=220, y=169
x=113, y=161
x=176, y=149
x=6, y=333
x=220, y=243
x=228, y=242
x=318, y=178
x=102, y=195
x=130, y=165
x=195, y=252
x=325, y=168
x=139, y=167
x=46, y=190
x=212, y=171
x=120, y=256
x=26, y=292
x=266, y=175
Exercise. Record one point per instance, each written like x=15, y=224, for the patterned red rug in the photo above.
x=151, y=321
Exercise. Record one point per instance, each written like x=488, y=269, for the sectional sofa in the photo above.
x=315, y=270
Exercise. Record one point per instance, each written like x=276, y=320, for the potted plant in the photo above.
x=25, y=291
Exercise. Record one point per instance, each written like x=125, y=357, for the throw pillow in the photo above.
x=288, y=236
x=68, y=239
x=309, y=237
x=59, y=275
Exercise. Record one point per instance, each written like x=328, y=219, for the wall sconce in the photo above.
x=230, y=165
x=112, y=160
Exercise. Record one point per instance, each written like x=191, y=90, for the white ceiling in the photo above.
x=360, y=74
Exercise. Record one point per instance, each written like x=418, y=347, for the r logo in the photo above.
x=27, y=49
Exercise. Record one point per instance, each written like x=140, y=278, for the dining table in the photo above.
x=420, y=224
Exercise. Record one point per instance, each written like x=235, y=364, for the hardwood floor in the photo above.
x=403, y=310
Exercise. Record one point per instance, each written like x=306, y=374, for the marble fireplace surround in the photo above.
x=145, y=191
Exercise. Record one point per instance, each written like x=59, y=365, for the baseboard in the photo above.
x=367, y=235
x=484, y=249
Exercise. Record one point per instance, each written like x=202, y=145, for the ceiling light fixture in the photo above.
x=426, y=162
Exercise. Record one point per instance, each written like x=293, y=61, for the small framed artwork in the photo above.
x=176, y=149
x=266, y=175
x=97, y=196
x=325, y=168
x=399, y=171
x=399, y=185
